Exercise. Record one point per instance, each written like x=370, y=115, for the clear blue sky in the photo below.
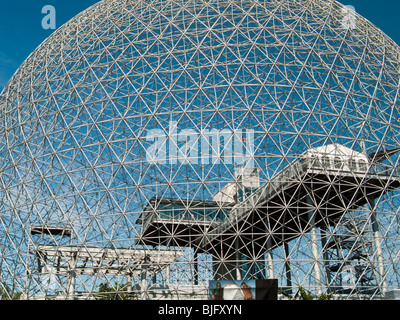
x=21, y=31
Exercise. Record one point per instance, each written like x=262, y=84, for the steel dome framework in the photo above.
x=149, y=147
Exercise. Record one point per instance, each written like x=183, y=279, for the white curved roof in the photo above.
x=336, y=150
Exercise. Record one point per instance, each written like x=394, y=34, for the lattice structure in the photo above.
x=149, y=147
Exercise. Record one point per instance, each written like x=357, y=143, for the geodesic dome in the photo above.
x=149, y=147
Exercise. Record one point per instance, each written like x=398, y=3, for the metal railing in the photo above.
x=294, y=171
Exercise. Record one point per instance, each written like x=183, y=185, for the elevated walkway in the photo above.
x=70, y=261
x=281, y=207
x=326, y=182
x=106, y=261
x=174, y=222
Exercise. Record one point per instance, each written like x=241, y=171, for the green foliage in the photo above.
x=303, y=294
x=5, y=294
x=325, y=296
x=116, y=292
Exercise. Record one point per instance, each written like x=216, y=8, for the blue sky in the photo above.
x=21, y=30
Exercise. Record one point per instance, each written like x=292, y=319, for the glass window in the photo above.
x=326, y=162
x=353, y=165
x=338, y=163
x=362, y=164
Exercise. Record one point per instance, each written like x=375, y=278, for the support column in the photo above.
x=378, y=245
x=227, y=265
x=324, y=236
x=314, y=246
x=196, y=268
x=143, y=283
x=27, y=271
x=238, y=259
x=270, y=261
x=71, y=276
x=287, y=267
x=129, y=281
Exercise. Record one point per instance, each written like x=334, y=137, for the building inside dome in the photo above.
x=149, y=149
